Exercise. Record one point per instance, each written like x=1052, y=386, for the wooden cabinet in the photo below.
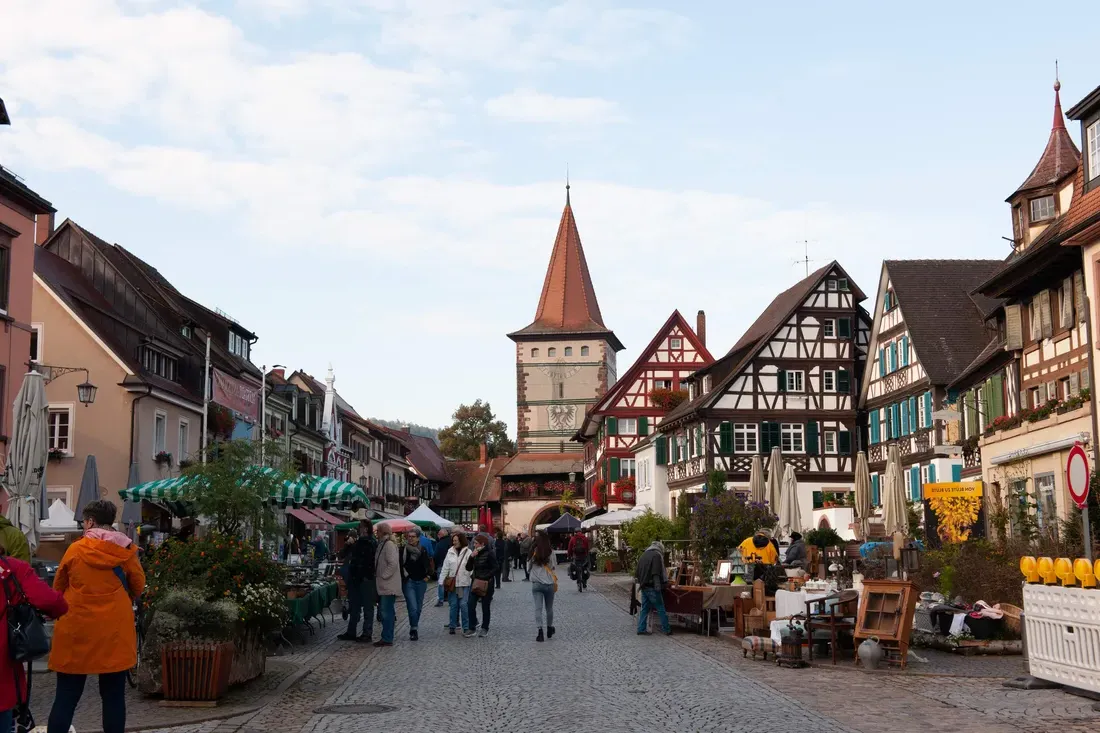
x=886, y=612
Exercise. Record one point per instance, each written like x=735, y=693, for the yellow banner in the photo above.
x=953, y=489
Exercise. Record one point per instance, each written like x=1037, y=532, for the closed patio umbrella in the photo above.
x=894, y=512
x=757, y=490
x=89, y=487
x=131, y=510
x=863, y=493
x=27, y=455
x=775, y=480
x=790, y=514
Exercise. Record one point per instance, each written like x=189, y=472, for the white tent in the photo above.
x=424, y=513
x=613, y=519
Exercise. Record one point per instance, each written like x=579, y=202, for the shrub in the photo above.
x=721, y=523
x=640, y=533
x=824, y=537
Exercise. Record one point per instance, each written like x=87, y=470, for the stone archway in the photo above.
x=824, y=523
x=545, y=515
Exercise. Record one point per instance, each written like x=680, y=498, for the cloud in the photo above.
x=526, y=105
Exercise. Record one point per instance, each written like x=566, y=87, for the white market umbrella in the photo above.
x=424, y=513
x=863, y=493
x=775, y=480
x=895, y=516
x=131, y=510
x=757, y=489
x=27, y=456
x=89, y=486
x=790, y=514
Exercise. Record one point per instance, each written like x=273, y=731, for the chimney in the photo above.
x=43, y=227
x=280, y=373
x=484, y=454
x=406, y=428
x=701, y=327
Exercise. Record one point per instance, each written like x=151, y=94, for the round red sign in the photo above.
x=1077, y=475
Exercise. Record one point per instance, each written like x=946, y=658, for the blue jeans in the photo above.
x=389, y=616
x=459, y=607
x=414, y=591
x=440, y=593
x=6, y=720
x=543, y=594
x=361, y=599
x=112, y=691
x=486, y=608
x=652, y=600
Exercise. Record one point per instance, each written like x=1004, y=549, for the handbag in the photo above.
x=479, y=587
x=450, y=581
x=27, y=639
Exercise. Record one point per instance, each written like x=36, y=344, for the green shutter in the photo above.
x=612, y=426
x=725, y=438
x=904, y=428
x=662, y=451
x=956, y=472
x=914, y=483
x=874, y=491
x=998, y=393
x=782, y=384
x=765, y=437
x=872, y=426
x=811, y=438
x=614, y=469
x=844, y=443
x=905, y=351
x=970, y=404
x=928, y=409
x=643, y=425
x=914, y=415
x=931, y=473
x=844, y=328
x=843, y=381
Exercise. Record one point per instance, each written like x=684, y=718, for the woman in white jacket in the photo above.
x=455, y=567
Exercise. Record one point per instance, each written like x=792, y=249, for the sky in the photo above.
x=376, y=184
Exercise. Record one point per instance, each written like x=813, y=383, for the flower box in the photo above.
x=196, y=671
x=164, y=458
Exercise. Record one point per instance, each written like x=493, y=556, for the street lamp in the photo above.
x=85, y=391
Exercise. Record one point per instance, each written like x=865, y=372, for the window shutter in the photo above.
x=1045, y=316
x=882, y=362
x=1085, y=383
x=662, y=451
x=893, y=357
x=844, y=328
x=699, y=441
x=874, y=490
x=1014, y=328
x=725, y=438
x=781, y=383
x=1079, y=295
x=956, y=472
x=1067, y=303
x=1035, y=328
x=928, y=409
x=997, y=390
x=905, y=351
x=643, y=425
x=844, y=443
x=904, y=429
x=614, y=469
x=1052, y=390
x=872, y=426
x=1042, y=394
x=914, y=483
x=612, y=426
x=931, y=473
x=811, y=438
x=895, y=414
x=843, y=381
x=914, y=415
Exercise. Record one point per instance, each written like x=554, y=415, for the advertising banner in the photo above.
x=238, y=396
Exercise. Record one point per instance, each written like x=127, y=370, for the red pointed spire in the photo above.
x=1060, y=157
x=1059, y=118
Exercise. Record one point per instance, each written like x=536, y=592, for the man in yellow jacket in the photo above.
x=759, y=549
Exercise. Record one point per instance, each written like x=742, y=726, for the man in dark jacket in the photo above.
x=500, y=549
x=796, y=553
x=359, y=557
x=651, y=577
x=526, y=544
x=513, y=550
x=442, y=545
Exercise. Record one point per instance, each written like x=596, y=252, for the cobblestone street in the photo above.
x=624, y=682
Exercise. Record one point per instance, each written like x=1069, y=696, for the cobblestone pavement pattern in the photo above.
x=597, y=675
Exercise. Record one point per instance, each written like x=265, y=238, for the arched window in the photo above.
x=584, y=351
x=535, y=353
x=569, y=351
x=551, y=352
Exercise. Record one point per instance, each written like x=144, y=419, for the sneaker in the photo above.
x=468, y=633
x=668, y=633
x=366, y=638
x=413, y=635
x=439, y=604
x=644, y=633
x=383, y=643
x=483, y=633
x=549, y=632
x=539, y=637
x=451, y=632
x=347, y=636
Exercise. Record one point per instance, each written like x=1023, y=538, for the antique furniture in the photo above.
x=763, y=645
x=790, y=650
x=886, y=611
x=835, y=614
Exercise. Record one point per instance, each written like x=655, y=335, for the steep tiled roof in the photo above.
x=946, y=326
x=10, y=185
x=424, y=455
x=528, y=464
x=1060, y=158
x=472, y=483
x=992, y=356
x=568, y=302
x=780, y=308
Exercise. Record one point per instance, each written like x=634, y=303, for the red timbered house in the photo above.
x=633, y=407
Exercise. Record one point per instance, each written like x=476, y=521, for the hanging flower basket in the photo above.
x=56, y=454
x=164, y=458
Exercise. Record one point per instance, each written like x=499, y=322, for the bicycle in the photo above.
x=578, y=568
x=139, y=630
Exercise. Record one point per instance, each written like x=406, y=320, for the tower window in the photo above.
x=551, y=352
x=534, y=353
x=569, y=351
x=1042, y=208
x=584, y=351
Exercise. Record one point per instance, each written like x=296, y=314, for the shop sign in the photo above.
x=953, y=490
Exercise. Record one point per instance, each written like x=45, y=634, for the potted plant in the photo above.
x=56, y=454
x=164, y=458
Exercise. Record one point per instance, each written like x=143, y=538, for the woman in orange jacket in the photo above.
x=100, y=576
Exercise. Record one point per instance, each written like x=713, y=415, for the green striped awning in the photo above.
x=305, y=490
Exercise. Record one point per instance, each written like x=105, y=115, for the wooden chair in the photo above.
x=756, y=619
x=836, y=613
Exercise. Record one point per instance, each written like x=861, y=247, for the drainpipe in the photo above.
x=1095, y=429
x=133, y=423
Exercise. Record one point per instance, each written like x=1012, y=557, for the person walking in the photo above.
x=513, y=550
x=500, y=549
x=544, y=584
x=483, y=565
x=455, y=579
x=13, y=542
x=100, y=576
x=359, y=558
x=526, y=546
x=416, y=569
x=387, y=573
x=442, y=547
x=652, y=579
x=19, y=582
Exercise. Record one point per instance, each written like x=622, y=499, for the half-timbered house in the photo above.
x=929, y=327
x=634, y=406
x=789, y=382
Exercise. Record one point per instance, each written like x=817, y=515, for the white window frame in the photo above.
x=923, y=476
x=627, y=426
x=796, y=380
x=159, y=415
x=748, y=433
x=831, y=284
x=40, y=330
x=68, y=495
x=1040, y=216
x=829, y=328
x=922, y=414
x=58, y=407
x=676, y=343
x=662, y=384
x=828, y=380
x=829, y=441
x=706, y=383
x=792, y=437
x=584, y=351
x=1092, y=144
x=181, y=444
x=628, y=468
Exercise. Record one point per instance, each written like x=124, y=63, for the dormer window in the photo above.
x=706, y=384
x=161, y=364
x=238, y=345
x=1092, y=146
x=185, y=331
x=830, y=284
x=1042, y=209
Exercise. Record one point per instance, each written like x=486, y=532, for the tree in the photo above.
x=716, y=483
x=473, y=425
x=721, y=523
x=638, y=534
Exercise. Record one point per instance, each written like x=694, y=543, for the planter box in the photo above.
x=1063, y=635
x=196, y=671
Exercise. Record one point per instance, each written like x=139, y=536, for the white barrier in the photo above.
x=1063, y=634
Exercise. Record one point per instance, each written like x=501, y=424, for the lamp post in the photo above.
x=85, y=391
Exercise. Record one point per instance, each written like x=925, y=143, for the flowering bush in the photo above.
x=599, y=493
x=720, y=523
x=667, y=399
x=262, y=606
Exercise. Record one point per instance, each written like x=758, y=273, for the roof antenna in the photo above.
x=567, y=184
x=805, y=259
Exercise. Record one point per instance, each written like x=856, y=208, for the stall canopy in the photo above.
x=303, y=490
x=312, y=521
x=326, y=517
x=423, y=515
x=613, y=519
x=565, y=523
